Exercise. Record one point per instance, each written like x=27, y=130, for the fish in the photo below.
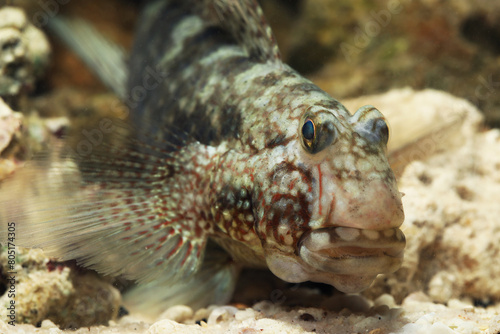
x=230, y=159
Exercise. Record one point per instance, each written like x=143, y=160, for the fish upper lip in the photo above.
x=353, y=251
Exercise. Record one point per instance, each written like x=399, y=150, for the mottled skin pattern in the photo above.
x=258, y=183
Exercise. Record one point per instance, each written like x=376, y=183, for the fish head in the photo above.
x=336, y=213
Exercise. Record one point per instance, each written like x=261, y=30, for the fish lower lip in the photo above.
x=351, y=251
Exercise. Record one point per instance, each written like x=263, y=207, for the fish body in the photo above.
x=236, y=152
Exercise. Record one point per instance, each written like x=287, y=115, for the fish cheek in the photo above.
x=285, y=210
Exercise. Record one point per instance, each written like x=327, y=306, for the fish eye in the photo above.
x=317, y=135
x=380, y=126
x=374, y=131
x=308, y=130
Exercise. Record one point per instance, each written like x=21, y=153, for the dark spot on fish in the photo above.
x=268, y=80
x=330, y=104
x=237, y=202
x=241, y=29
x=256, y=54
x=170, y=171
x=234, y=63
x=305, y=87
x=207, y=41
x=278, y=140
x=230, y=126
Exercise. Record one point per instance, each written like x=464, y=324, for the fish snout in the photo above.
x=374, y=206
x=359, y=240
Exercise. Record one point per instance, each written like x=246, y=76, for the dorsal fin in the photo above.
x=245, y=20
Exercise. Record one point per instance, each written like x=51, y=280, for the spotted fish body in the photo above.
x=237, y=150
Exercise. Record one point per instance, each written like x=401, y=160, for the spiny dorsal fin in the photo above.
x=116, y=210
x=245, y=20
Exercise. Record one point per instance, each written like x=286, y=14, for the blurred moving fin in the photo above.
x=105, y=58
x=213, y=283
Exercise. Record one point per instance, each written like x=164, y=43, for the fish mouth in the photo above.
x=350, y=251
x=345, y=257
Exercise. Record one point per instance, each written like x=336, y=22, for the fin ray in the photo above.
x=112, y=215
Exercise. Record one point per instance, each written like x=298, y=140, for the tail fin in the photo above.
x=105, y=58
